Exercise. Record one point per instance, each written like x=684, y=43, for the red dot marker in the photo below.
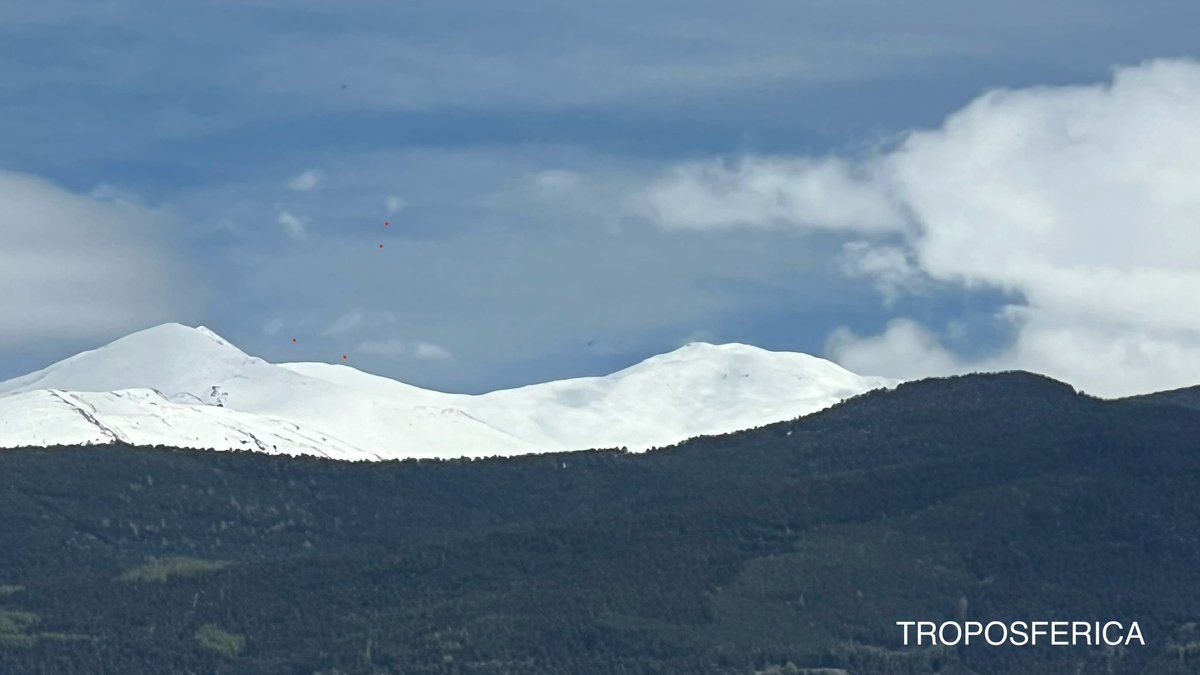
x=343, y=357
x=381, y=246
x=387, y=224
x=293, y=339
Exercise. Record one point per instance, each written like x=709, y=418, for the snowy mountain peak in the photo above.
x=709, y=350
x=732, y=350
x=699, y=351
x=180, y=386
x=172, y=358
x=205, y=332
x=724, y=352
x=703, y=359
x=702, y=346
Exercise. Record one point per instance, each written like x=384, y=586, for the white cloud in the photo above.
x=428, y=350
x=905, y=350
x=892, y=268
x=1105, y=361
x=273, y=326
x=1084, y=201
x=83, y=267
x=391, y=347
x=397, y=347
x=827, y=193
x=394, y=204
x=306, y=181
x=345, y=323
x=293, y=226
x=357, y=319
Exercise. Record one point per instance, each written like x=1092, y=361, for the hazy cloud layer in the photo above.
x=404, y=348
x=77, y=266
x=534, y=269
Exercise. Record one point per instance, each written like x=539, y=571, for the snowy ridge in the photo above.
x=187, y=387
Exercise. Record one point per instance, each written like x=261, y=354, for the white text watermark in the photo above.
x=1021, y=633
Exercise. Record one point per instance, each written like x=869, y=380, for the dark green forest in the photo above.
x=792, y=548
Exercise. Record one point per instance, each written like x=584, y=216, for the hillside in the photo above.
x=796, y=545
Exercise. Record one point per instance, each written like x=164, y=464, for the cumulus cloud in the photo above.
x=826, y=193
x=306, y=181
x=293, y=226
x=892, y=268
x=83, y=266
x=1084, y=201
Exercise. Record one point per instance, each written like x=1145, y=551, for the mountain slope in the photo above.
x=143, y=417
x=196, y=379
x=699, y=389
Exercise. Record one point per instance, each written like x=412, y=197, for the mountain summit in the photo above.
x=172, y=358
x=180, y=386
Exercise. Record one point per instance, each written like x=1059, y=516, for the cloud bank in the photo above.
x=1083, y=201
x=83, y=267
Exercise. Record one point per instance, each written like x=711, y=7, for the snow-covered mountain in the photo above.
x=187, y=387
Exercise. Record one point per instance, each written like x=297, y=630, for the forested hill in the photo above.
x=791, y=547
x=1188, y=397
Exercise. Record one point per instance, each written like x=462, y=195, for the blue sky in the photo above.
x=572, y=187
